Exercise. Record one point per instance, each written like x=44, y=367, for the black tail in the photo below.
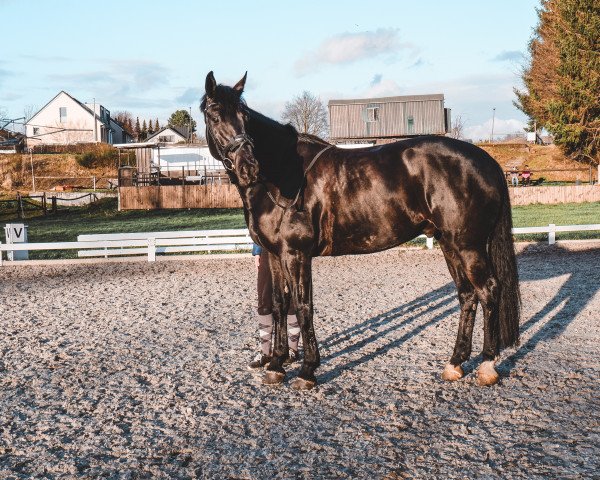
x=505, y=267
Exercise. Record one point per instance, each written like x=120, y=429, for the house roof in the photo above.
x=86, y=108
x=9, y=134
x=397, y=99
x=182, y=131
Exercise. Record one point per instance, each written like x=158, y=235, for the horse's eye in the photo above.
x=214, y=117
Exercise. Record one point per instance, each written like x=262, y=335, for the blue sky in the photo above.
x=151, y=58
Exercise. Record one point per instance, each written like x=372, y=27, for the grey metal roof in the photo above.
x=398, y=99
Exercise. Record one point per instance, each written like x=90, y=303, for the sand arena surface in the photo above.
x=138, y=370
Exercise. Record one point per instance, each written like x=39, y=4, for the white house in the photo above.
x=64, y=120
x=169, y=135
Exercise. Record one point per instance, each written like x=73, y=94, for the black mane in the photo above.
x=276, y=149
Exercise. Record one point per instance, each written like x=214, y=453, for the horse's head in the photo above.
x=225, y=115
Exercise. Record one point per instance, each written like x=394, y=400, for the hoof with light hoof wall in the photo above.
x=452, y=373
x=273, y=378
x=301, y=384
x=487, y=374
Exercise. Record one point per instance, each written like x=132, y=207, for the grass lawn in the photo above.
x=103, y=217
x=562, y=214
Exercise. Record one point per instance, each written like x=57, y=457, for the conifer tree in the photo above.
x=144, y=131
x=156, y=125
x=137, y=131
x=562, y=79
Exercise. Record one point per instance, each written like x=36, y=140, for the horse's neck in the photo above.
x=280, y=164
x=259, y=208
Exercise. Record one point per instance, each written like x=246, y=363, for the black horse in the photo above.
x=303, y=198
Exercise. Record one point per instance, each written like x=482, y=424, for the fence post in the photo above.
x=429, y=242
x=151, y=249
x=94, y=180
x=19, y=206
x=551, y=234
x=54, y=208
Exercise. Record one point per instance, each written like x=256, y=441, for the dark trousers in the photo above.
x=264, y=286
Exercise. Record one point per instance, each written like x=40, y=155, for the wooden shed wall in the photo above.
x=179, y=196
x=350, y=120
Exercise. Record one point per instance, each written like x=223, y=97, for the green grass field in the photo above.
x=103, y=217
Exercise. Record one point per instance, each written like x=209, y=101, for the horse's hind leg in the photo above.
x=468, y=307
x=478, y=270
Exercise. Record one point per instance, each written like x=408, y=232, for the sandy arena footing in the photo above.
x=138, y=370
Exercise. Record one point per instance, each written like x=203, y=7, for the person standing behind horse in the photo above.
x=264, y=287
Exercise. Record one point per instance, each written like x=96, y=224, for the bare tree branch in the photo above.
x=307, y=114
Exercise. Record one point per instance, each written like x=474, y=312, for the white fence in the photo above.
x=151, y=243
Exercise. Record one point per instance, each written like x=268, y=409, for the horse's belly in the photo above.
x=365, y=239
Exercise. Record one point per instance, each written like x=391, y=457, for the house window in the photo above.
x=372, y=114
x=63, y=114
x=410, y=125
x=36, y=130
x=166, y=138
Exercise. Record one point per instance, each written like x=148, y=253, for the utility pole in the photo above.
x=32, y=173
x=190, y=133
x=95, y=123
x=493, y=118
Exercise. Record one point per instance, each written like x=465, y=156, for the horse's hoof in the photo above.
x=487, y=374
x=452, y=373
x=302, y=384
x=273, y=378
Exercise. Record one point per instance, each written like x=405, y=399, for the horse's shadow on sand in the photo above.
x=558, y=313
x=552, y=319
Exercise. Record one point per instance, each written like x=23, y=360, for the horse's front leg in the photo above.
x=275, y=373
x=298, y=269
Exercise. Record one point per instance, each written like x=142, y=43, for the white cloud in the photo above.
x=509, y=56
x=501, y=128
x=384, y=88
x=348, y=48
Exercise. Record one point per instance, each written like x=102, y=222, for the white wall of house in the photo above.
x=63, y=120
x=185, y=157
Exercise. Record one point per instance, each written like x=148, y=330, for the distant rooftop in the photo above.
x=398, y=99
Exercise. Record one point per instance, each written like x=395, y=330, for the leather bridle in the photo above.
x=242, y=139
x=231, y=147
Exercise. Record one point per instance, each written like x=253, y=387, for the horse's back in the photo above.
x=382, y=196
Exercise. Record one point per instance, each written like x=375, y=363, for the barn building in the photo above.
x=384, y=120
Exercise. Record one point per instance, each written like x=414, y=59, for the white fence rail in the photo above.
x=151, y=243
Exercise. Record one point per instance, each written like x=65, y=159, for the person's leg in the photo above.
x=293, y=332
x=265, y=318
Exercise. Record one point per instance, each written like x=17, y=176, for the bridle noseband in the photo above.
x=231, y=147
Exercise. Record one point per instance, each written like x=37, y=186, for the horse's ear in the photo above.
x=239, y=86
x=211, y=84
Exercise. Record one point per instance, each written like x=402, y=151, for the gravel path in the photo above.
x=138, y=370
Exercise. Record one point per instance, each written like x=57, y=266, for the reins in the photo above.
x=313, y=161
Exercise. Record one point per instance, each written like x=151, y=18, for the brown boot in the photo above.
x=260, y=361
